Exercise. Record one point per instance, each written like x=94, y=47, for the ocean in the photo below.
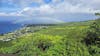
x=6, y=27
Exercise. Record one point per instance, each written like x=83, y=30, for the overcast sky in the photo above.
x=48, y=9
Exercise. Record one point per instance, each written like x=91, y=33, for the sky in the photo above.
x=50, y=10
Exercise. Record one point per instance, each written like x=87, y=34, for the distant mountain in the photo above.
x=38, y=21
x=75, y=17
x=47, y=20
x=25, y=20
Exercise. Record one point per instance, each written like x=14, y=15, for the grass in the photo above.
x=60, y=40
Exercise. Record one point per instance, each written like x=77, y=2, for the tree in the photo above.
x=93, y=33
x=97, y=14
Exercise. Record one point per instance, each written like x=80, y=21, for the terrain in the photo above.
x=66, y=39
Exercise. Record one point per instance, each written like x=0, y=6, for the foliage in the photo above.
x=92, y=39
x=93, y=34
x=98, y=14
x=60, y=40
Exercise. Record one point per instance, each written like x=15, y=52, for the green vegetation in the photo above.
x=98, y=14
x=92, y=39
x=68, y=39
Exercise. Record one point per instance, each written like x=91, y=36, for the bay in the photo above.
x=6, y=27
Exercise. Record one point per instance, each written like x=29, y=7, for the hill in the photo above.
x=65, y=39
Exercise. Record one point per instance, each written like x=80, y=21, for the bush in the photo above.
x=92, y=35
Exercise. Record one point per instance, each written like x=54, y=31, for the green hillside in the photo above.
x=67, y=39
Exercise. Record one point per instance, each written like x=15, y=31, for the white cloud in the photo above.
x=42, y=10
x=10, y=14
x=55, y=8
x=61, y=8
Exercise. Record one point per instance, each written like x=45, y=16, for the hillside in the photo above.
x=65, y=39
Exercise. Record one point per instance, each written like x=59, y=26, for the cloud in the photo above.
x=54, y=10
x=61, y=8
x=56, y=7
x=10, y=14
x=42, y=10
